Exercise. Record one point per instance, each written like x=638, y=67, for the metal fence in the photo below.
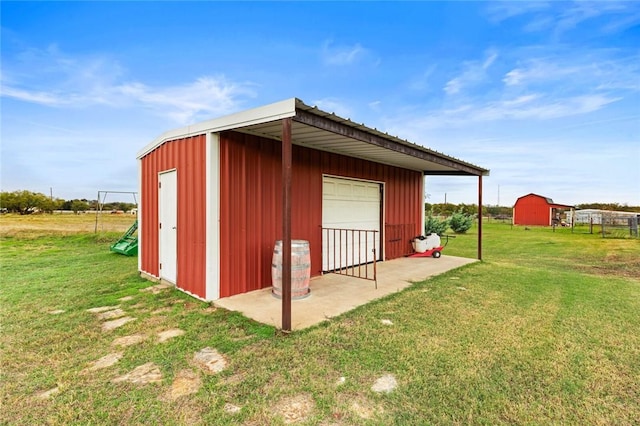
x=610, y=225
x=351, y=252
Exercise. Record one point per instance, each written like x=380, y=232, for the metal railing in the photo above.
x=351, y=252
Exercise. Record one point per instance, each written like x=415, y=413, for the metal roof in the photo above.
x=317, y=129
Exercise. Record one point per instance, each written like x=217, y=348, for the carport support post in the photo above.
x=480, y=217
x=286, y=224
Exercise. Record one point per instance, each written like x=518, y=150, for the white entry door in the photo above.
x=349, y=204
x=168, y=224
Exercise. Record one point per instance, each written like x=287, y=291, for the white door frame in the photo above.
x=168, y=225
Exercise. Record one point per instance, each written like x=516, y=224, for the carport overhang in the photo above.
x=294, y=123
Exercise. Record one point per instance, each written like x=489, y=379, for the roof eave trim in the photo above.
x=322, y=122
x=272, y=112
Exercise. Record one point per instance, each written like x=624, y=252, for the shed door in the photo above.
x=349, y=205
x=168, y=224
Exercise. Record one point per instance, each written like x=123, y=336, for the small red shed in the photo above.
x=217, y=195
x=536, y=210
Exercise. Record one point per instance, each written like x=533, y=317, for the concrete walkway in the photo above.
x=333, y=294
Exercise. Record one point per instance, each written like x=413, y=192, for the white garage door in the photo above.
x=349, y=205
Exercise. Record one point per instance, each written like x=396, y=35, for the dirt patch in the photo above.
x=210, y=360
x=163, y=336
x=233, y=380
x=126, y=298
x=364, y=409
x=112, y=325
x=57, y=312
x=186, y=383
x=133, y=339
x=294, y=409
x=155, y=289
x=141, y=375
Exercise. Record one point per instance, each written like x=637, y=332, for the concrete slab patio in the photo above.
x=333, y=294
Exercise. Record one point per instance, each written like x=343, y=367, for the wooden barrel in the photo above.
x=300, y=269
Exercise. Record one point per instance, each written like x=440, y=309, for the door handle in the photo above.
x=174, y=227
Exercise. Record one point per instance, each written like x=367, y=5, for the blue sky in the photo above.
x=545, y=94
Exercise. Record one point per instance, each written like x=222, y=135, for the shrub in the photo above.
x=435, y=226
x=460, y=222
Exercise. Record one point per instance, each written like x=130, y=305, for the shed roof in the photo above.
x=548, y=201
x=317, y=129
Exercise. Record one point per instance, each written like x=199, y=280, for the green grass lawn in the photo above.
x=546, y=330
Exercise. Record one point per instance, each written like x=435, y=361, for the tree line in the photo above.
x=449, y=209
x=27, y=202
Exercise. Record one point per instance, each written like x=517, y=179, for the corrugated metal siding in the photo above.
x=251, y=205
x=188, y=157
x=531, y=210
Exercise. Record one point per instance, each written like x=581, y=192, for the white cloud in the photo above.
x=558, y=18
x=58, y=80
x=597, y=70
x=343, y=55
x=474, y=73
x=502, y=10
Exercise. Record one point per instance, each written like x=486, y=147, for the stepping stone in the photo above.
x=210, y=360
x=112, y=325
x=231, y=409
x=186, y=383
x=102, y=309
x=129, y=340
x=126, y=298
x=386, y=384
x=105, y=361
x=141, y=375
x=386, y=322
x=57, y=312
x=341, y=381
x=116, y=313
x=163, y=336
x=48, y=393
x=461, y=288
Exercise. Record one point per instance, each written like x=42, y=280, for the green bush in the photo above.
x=460, y=222
x=435, y=226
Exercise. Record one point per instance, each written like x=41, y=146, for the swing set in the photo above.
x=128, y=243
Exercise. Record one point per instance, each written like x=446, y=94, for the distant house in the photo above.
x=534, y=209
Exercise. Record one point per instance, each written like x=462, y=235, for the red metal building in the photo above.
x=215, y=196
x=536, y=210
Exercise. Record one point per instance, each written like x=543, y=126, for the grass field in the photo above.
x=546, y=330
